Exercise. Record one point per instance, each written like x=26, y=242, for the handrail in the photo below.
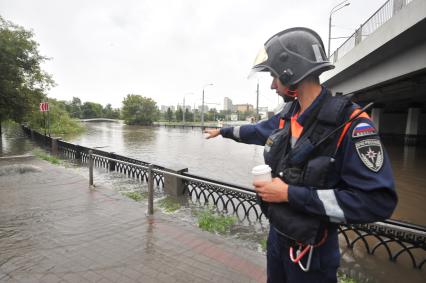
x=388, y=11
x=180, y=176
x=395, y=237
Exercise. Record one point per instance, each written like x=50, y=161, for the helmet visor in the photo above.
x=261, y=58
x=261, y=63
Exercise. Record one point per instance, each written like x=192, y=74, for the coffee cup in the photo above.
x=262, y=173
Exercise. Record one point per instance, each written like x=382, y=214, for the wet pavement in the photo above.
x=54, y=229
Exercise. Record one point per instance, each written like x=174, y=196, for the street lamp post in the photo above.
x=202, y=106
x=334, y=10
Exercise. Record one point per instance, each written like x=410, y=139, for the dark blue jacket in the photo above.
x=361, y=195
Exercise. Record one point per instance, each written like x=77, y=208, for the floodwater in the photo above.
x=224, y=159
x=228, y=161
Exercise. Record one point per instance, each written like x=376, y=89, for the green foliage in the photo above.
x=169, y=204
x=139, y=110
x=74, y=108
x=263, y=244
x=343, y=278
x=43, y=155
x=136, y=196
x=169, y=114
x=179, y=115
x=209, y=221
x=60, y=121
x=91, y=110
x=110, y=113
x=22, y=81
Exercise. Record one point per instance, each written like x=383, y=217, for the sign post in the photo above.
x=44, y=107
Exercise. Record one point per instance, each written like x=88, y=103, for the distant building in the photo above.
x=186, y=107
x=243, y=107
x=164, y=108
x=206, y=108
x=227, y=104
x=263, y=109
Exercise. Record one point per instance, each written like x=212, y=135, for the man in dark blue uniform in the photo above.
x=328, y=163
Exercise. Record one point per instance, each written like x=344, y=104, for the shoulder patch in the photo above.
x=363, y=130
x=370, y=151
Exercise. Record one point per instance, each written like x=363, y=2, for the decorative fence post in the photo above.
x=111, y=162
x=173, y=185
x=77, y=153
x=55, y=145
x=90, y=168
x=150, y=190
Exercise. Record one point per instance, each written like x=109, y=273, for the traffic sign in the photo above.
x=44, y=106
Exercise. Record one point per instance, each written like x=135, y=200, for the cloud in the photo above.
x=104, y=50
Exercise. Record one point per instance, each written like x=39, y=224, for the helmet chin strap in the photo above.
x=291, y=91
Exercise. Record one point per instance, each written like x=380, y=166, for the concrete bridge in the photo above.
x=385, y=61
x=100, y=120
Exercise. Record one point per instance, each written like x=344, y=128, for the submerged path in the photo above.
x=54, y=229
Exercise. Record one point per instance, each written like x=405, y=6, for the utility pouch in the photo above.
x=292, y=175
x=275, y=146
x=317, y=171
x=295, y=225
x=300, y=153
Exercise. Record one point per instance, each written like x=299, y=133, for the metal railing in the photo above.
x=397, y=238
x=381, y=16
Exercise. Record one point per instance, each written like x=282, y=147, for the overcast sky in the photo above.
x=102, y=50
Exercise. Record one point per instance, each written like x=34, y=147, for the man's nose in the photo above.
x=274, y=84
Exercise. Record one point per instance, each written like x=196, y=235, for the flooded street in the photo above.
x=223, y=159
x=226, y=160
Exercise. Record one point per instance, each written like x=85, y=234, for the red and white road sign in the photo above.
x=44, y=106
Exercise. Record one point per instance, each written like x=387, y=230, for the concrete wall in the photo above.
x=393, y=123
x=422, y=124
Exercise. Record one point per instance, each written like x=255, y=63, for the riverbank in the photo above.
x=56, y=229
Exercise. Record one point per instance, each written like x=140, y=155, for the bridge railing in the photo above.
x=397, y=238
x=382, y=15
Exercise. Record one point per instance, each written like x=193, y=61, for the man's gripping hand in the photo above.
x=274, y=191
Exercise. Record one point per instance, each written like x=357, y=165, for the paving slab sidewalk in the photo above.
x=54, y=229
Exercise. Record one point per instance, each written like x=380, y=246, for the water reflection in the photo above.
x=13, y=141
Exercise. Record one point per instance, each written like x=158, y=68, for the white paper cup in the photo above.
x=262, y=173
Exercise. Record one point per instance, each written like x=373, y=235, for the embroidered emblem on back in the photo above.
x=370, y=151
x=363, y=130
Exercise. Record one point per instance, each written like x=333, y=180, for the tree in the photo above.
x=169, y=114
x=91, y=110
x=22, y=81
x=60, y=121
x=179, y=114
x=110, y=113
x=189, y=116
x=139, y=110
x=75, y=108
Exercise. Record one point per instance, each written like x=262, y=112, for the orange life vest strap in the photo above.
x=347, y=126
x=282, y=121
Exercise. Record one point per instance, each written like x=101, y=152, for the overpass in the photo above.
x=385, y=61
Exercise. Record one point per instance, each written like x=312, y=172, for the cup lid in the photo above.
x=261, y=169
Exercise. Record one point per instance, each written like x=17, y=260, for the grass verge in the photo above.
x=136, y=196
x=263, y=243
x=208, y=220
x=343, y=278
x=45, y=156
x=169, y=204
